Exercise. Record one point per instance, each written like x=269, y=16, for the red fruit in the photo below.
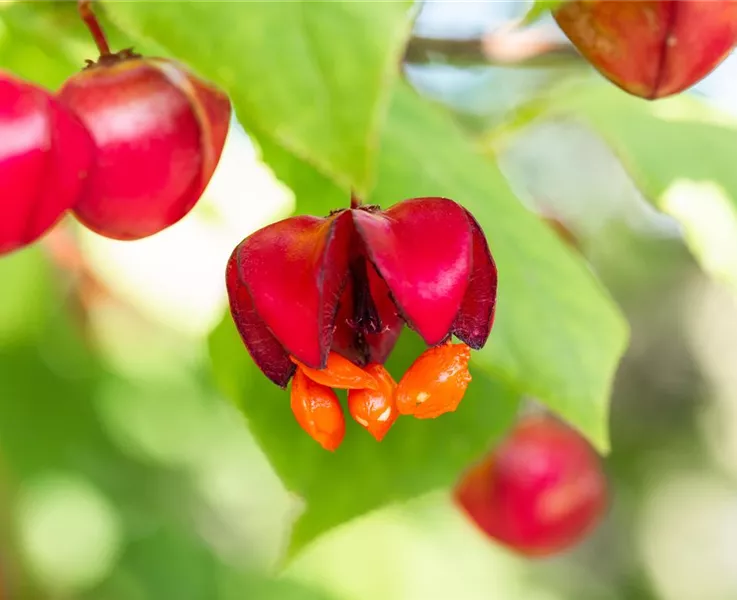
x=651, y=48
x=375, y=410
x=45, y=154
x=540, y=492
x=159, y=133
x=435, y=383
x=306, y=286
x=317, y=411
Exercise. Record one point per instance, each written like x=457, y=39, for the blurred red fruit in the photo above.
x=45, y=154
x=540, y=492
x=159, y=133
x=651, y=48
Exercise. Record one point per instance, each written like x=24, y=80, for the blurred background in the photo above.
x=126, y=475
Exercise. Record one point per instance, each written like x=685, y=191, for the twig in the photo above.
x=508, y=46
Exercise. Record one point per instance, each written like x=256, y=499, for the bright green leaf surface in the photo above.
x=415, y=457
x=314, y=75
x=681, y=155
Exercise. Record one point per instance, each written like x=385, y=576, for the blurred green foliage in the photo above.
x=679, y=153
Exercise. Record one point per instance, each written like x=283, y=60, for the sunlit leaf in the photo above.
x=315, y=75
x=680, y=153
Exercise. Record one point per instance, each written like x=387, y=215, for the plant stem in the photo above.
x=507, y=46
x=89, y=18
x=355, y=200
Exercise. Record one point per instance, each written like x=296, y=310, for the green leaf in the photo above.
x=540, y=8
x=414, y=458
x=315, y=75
x=44, y=42
x=681, y=154
x=557, y=336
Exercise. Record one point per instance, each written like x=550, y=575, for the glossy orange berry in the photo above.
x=435, y=383
x=339, y=373
x=376, y=409
x=317, y=411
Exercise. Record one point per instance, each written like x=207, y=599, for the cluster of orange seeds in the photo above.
x=432, y=386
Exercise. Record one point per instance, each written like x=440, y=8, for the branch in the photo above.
x=508, y=46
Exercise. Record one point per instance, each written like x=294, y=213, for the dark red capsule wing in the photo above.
x=422, y=250
x=263, y=347
x=295, y=271
x=476, y=316
x=361, y=347
x=381, y=344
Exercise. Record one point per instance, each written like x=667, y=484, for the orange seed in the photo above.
x=340, y=373
x=318, y=411
x=435, y=383
x=375, y=410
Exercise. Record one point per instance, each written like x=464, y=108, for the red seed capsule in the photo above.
x=45, y=154
x=651, y=48
x=540, y=492
x=159, y=133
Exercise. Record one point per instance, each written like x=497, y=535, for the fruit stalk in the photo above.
x=355, y=200
x=89, y=18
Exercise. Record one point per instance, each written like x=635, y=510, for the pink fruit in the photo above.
x=45, y=156
x=159, y=132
